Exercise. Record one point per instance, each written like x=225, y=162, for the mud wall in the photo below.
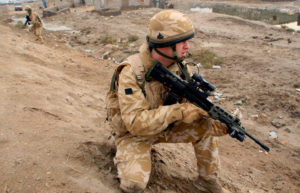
x=139, y=2
x=121, y=4
x=102, y=4
x=60, y=4
x=82, y=2
x=69, y=3
x=272, y=16
x=4, y=9
x=277, y=0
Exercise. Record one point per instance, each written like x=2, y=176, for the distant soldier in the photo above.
x=34, y=19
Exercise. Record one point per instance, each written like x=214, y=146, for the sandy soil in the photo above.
x=53, y=134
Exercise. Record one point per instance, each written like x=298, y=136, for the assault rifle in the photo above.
x=196, y=90
x=27, y=20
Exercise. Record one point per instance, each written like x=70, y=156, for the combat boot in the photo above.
x=209, y=186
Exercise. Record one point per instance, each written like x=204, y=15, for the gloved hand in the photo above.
x=217, y=128
x=191, y=113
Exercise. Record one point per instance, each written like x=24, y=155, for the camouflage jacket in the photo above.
x=141, y=109
x=35, y=19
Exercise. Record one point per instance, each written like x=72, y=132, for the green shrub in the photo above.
x=108, y=40
x=133, y=38
x=20, y=25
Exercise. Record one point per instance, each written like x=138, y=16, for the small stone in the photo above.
x=278, y=123
x=287, y=130
x=262, y=118
x=105, y=55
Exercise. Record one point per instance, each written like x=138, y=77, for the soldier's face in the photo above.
x=182, y=48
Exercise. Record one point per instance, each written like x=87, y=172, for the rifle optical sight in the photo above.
x=202, y=83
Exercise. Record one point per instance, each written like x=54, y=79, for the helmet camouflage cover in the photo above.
x=27, y=8
x=169, y=27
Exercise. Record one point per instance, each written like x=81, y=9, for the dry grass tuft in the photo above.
x=206, y=58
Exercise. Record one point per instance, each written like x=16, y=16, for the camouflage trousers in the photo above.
x=133, y=157
x=37, y=31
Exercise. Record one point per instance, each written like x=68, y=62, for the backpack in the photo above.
x=112, y=102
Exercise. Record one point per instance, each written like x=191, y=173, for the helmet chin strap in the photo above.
x=183, y=68
x=175, y=57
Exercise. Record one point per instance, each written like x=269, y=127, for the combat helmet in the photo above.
x=167, y=28
x=27, y=8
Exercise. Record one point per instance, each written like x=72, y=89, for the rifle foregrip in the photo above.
x=235, y=133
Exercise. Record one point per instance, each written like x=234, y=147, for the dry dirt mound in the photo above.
x=51, y=101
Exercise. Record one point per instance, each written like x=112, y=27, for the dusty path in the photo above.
x=52, y=127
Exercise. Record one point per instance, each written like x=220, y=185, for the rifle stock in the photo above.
x=27, y=20
x=196, y=91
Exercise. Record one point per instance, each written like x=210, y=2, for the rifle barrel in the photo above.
x=258, y=142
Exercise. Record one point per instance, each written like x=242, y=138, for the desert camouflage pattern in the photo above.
x=146, y=120
x=36, y=22
x=112, y=105
x=169, y=25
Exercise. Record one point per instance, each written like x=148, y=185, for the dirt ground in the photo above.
x=53, y=134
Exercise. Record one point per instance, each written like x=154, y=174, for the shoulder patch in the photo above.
x=128, y=91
